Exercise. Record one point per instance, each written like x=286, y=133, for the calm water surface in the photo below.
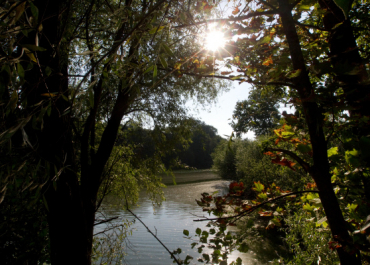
x=168, y=222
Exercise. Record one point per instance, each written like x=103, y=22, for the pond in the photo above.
x=170, y=219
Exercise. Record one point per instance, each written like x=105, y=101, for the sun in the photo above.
x=214, y=40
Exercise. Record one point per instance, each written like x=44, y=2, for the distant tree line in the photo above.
x=192, y=153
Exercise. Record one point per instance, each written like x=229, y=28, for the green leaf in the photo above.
x=351, y=157
x=30, y=55
x=48, y=71
x=167, y=50
x=303, y=148
x=150, y=68
x=198, y=231
x=163, y=61
x=304, y=7
x=243, y=247
x=206, y=257
x=155, y=71
x=34, y=11
x=20, y=71
x=258, y=186
x=308, y=207
x=332, y=151
x=263, y=196
x=186, y=232
x=294, y=73
x=266, y=39
x=345, y=5
x=45, y=202
x=250, y=223
x=156, y=29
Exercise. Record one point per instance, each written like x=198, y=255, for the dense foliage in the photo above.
x=72, y=73
x=315, y=56
x=259, y=113
x=244, y=161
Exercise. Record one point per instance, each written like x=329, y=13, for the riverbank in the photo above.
x=190, y=176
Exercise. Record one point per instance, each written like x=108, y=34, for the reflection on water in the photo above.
x=168, y=222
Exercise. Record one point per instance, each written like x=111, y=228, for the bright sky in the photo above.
x=219, y=115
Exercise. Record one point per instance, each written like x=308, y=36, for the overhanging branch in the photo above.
x=299, y=160
x=253, y=208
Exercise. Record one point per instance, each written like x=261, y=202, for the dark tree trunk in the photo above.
x=313, y=116
x=70, y=241
x=346, y=59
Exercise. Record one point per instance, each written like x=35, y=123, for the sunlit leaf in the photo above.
x=268, y=61
x=236, y=11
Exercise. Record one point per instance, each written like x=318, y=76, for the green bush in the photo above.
x=243, y=160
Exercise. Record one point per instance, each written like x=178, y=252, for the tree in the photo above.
x=259, y=113
x=71, y=72
x=310, y=50
x=204, y=140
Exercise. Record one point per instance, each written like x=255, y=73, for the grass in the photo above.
x=190, y=176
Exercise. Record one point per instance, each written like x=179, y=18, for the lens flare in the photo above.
x=214, y=40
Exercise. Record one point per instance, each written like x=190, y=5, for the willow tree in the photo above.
x=71, y=72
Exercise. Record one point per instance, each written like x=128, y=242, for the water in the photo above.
x=168, y=222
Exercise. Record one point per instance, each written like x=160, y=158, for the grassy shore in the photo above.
x=190, y=176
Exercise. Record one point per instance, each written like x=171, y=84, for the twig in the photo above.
x=106, y=221
x=172, y=255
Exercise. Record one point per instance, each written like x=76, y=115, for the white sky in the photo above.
x=219, y=115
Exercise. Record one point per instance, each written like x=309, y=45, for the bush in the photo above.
x=243, y=160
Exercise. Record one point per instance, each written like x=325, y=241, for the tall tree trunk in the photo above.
x=313, y=116
x=346, y=59
x=68, y=229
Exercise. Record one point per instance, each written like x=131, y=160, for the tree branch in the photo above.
x=106, y=221
x=300, y=161
x=240, y=18
x=172, y=255
x=278, y=83
x=253, y=208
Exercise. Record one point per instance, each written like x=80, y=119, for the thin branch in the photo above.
x=172, y=255
x=106, y=221
x=300, y=161
x=240, y=18
x=108, y=229
x=277, y=83
x=252, y=209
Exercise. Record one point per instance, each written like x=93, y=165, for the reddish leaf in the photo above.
x=283, y=162
x=236, y=11
x=270, y=154
x=268, y=61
